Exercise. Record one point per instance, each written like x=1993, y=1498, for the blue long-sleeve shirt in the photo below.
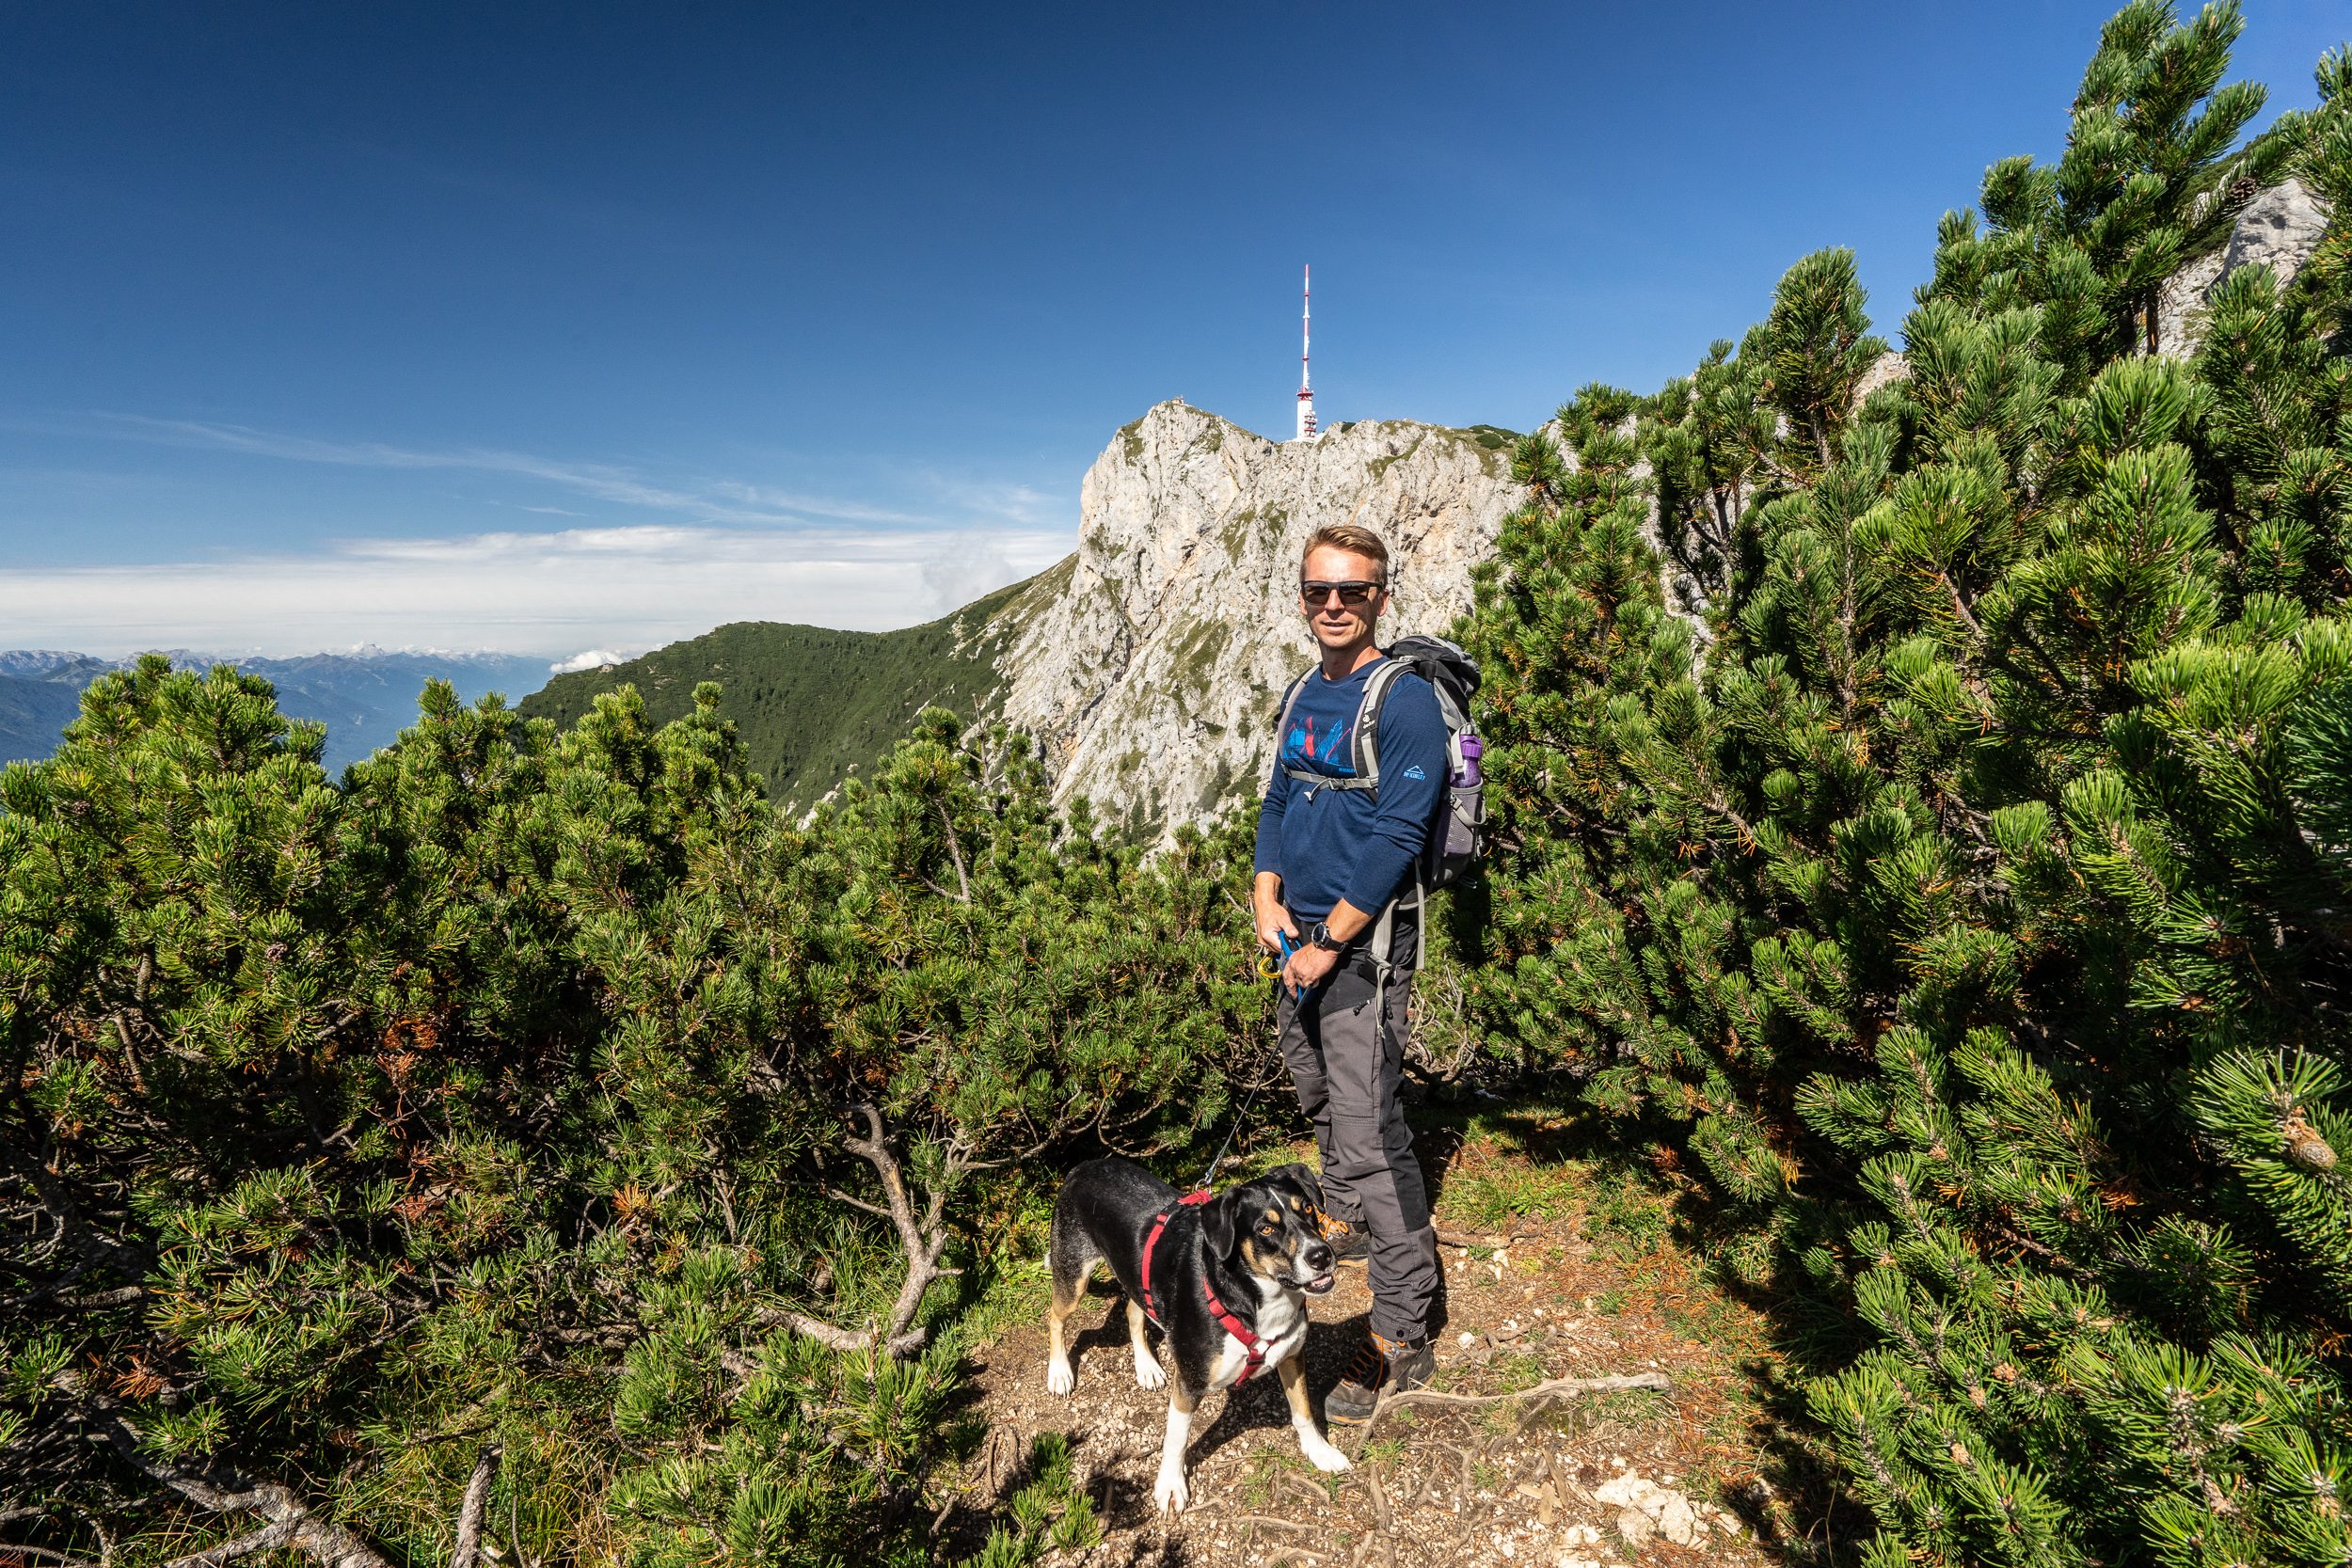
x=1353, y=844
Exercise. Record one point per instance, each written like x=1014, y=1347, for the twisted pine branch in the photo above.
x=922, y=1236
x=468, y=1552
x=293, y=1523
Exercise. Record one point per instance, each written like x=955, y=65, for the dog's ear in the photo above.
x=1217, y=1224
x=1302, y=1180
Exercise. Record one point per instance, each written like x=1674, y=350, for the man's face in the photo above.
x=1337, y=622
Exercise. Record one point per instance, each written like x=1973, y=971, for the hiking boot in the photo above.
x=1350, y=1243
x=1380, y=1366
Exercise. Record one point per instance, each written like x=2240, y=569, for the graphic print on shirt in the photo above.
x=1301, y=747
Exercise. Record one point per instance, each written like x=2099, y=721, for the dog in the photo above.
x=1226, y=1277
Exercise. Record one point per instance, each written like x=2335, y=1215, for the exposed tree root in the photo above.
x=1558, y=1386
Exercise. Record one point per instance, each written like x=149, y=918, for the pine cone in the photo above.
x=2304, y=1147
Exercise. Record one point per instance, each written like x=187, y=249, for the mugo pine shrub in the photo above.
x=1925, y=823
x=546, y=1109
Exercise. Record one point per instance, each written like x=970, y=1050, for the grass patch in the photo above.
x=1013, y=1290
x=1708, y=1318
x=1516, y=1372
x=1630, y=1406
x=1380, y=466
x=1626, y=1218
x=1490, y=1199
x=1266, y=1466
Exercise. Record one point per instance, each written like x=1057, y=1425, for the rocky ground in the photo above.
x=1558, y=1270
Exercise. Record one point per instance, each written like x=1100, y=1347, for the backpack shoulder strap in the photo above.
x=1368, y=719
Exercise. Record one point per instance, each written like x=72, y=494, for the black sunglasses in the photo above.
x=1353, y=594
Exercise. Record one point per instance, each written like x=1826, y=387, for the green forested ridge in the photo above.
x=810, y=703
x=1952, y=902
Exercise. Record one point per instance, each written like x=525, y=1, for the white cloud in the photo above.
x=715, y=501
x=593, y=658
x=597, y=588
x=720, y=550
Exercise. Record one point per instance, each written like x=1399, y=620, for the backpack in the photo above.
x=1454, y=837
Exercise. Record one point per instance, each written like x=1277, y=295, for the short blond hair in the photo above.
x=1351, y=537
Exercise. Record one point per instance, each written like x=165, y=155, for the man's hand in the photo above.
x=1267, y=904
x=1309, y=967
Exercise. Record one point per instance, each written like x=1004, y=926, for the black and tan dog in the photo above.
x=1225, y=1277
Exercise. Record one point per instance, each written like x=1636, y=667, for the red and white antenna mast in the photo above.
x=1305, y=325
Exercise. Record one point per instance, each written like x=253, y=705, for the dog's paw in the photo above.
x=1170, y=1492
x=1059, y=1378
x=1148, y=1371
x=1322, y=1455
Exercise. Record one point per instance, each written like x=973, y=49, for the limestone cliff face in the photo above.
x=1149, y=663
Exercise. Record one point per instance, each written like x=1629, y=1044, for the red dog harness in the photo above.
x=1218, y=1309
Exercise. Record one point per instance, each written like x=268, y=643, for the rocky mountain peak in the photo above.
x=1149, y=663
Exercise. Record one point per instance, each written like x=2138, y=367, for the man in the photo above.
x=1330, y=859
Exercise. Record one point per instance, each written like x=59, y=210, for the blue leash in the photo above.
x=1269, y=969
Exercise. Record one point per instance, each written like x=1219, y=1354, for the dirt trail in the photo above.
x=1571, y=1276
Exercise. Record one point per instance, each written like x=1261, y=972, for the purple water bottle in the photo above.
x=1467, y=776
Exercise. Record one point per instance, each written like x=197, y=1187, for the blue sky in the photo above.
x=547, y=327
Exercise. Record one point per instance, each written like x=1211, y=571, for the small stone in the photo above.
x=1467, y=1340
x=1675, y=1521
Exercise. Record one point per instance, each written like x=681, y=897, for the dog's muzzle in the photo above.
x=1316, y=1260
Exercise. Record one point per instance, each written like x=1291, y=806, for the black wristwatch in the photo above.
x=1321, y=937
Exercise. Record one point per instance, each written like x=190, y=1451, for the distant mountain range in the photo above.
x=364, y=698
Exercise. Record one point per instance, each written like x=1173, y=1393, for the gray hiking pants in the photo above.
x=1347, y=1073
